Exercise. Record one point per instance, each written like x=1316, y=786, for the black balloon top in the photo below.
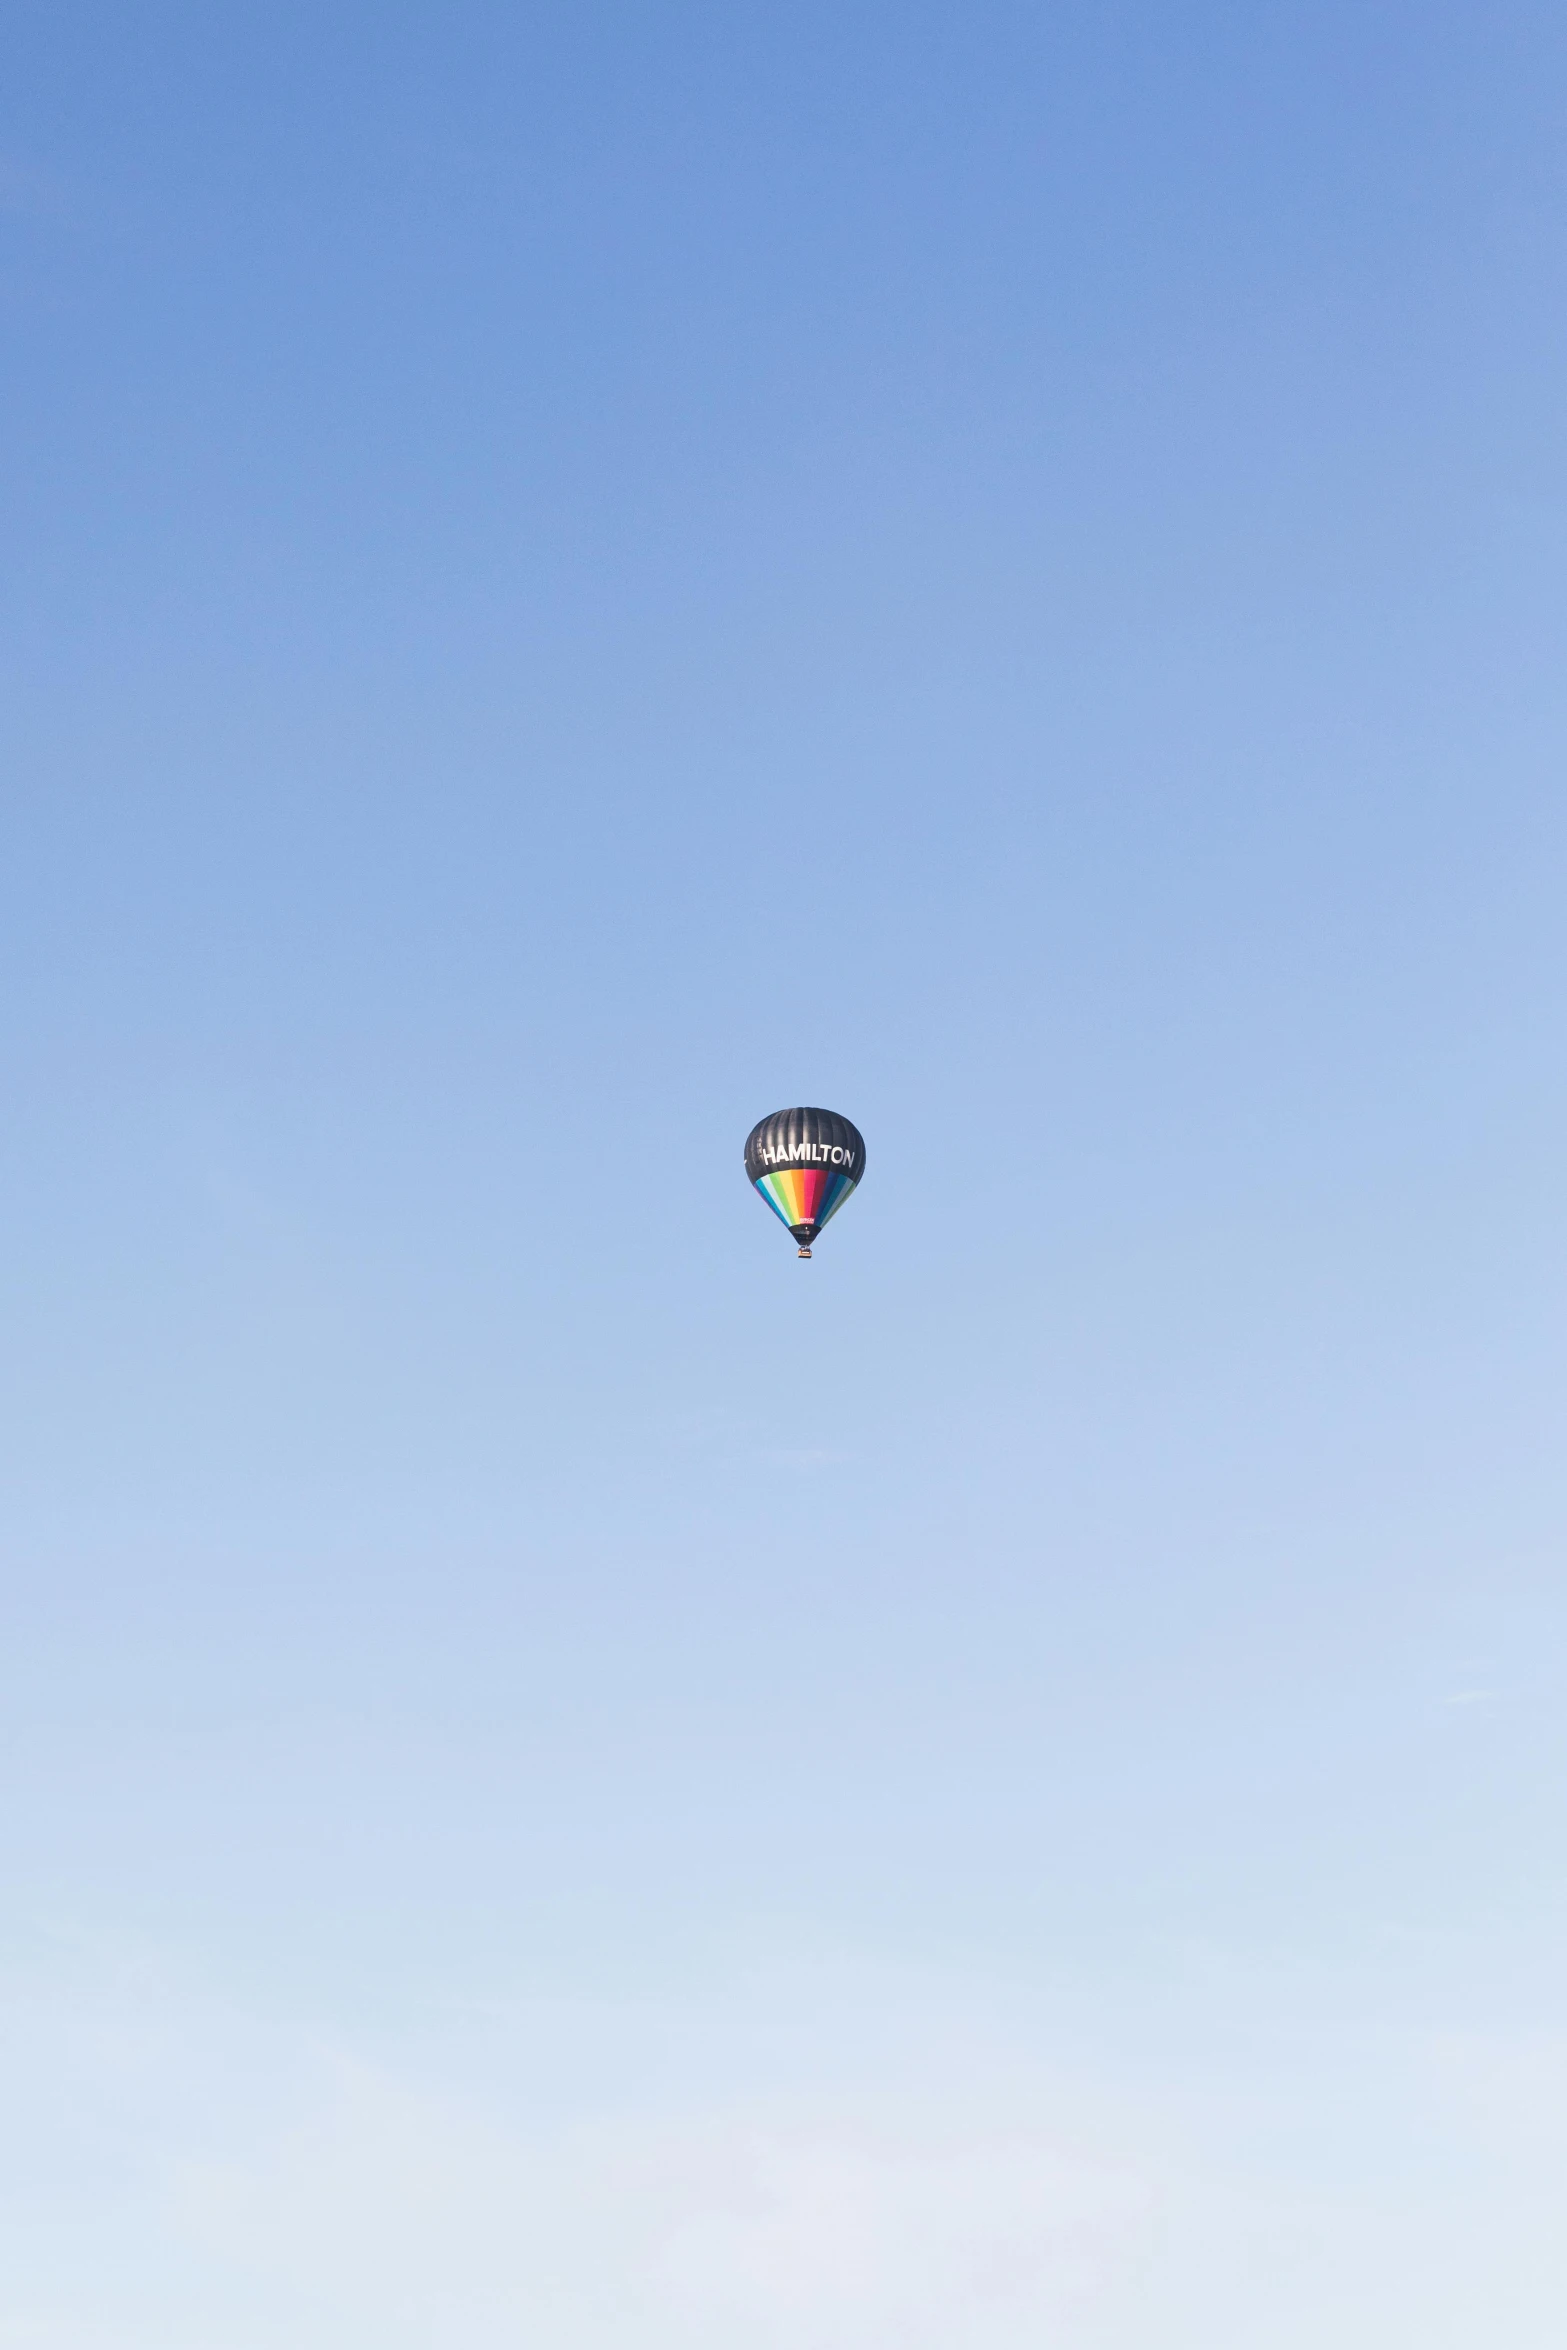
x=805, y=1138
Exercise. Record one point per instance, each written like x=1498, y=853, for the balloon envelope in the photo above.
x=805, y=1164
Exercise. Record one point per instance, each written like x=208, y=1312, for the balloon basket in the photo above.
x=805, y=1252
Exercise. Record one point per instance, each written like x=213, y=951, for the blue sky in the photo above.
x=577, y=576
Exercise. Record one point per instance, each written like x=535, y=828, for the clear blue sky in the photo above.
x=574, y=576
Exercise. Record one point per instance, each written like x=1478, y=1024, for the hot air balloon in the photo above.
x=805, y=1163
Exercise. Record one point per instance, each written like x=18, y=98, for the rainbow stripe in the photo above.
x=805, y=1195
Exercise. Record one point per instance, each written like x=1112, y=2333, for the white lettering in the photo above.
x=795, y=1154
